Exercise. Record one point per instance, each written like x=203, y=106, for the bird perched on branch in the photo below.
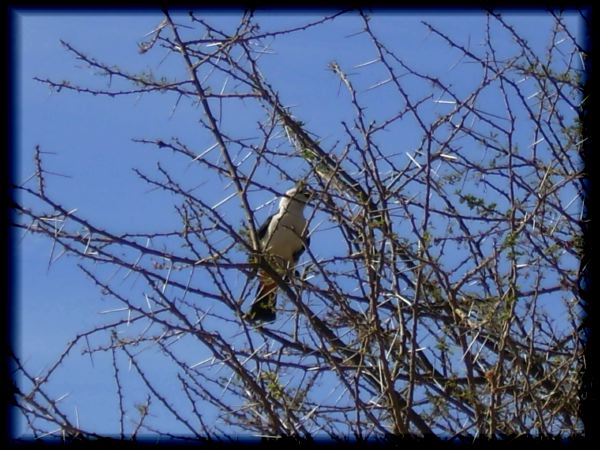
x=282, y=239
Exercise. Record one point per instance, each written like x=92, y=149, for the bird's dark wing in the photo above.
x=262, y=231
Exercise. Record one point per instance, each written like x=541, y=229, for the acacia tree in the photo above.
x=449, y=303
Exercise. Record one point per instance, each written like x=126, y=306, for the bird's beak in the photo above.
x=307, y=193
x=301, y=188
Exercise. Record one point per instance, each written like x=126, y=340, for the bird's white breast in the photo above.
x=285, y=236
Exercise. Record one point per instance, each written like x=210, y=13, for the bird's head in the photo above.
x=300, y=193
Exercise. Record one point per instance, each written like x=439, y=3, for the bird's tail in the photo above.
x=263, y=308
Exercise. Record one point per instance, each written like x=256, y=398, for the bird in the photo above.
x=282, y=238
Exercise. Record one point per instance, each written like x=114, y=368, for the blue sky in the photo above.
x=91, y=143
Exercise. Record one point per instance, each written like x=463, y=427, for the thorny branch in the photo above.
x=430, y=319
